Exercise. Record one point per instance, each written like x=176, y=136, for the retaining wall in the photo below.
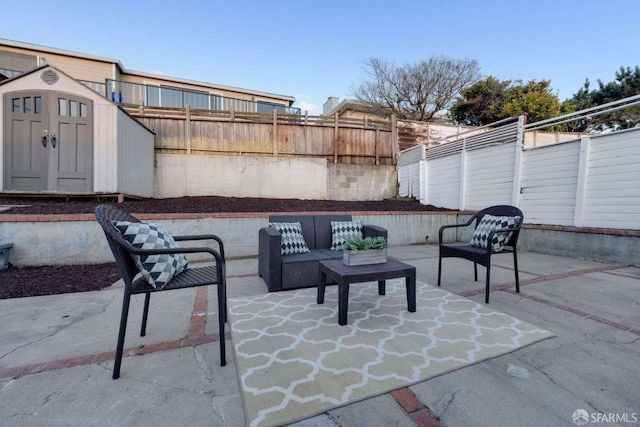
x=78, y=239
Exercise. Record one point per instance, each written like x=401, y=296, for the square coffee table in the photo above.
x=344, y=275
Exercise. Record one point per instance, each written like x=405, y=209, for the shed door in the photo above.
x=48, y=142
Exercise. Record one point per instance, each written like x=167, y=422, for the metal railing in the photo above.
x=172, y=97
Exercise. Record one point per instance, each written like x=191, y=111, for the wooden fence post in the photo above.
x=394, y=140
x=306, y=128
x=377, y=146
x=187, y=129
x=335, y=138
x=275, y=132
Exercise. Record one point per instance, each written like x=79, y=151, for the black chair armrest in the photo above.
x=444, y=227
x=269, y=257
x=203, y=237
x=170, y=251
x=369, y=230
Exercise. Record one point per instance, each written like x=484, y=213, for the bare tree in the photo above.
x=415, y=91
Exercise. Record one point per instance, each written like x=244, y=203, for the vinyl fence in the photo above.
x=593, y=181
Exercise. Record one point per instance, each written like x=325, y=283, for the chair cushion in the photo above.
x=157, y=269
x=487, y=224
x=342, y=230
x=292, y=239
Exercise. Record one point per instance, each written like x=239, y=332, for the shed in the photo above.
x=59, y=136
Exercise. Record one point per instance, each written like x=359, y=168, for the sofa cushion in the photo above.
x=157, y=269
x=292, y=239
x=487, y=224
x=331, y=254
x=323, y=228
x=342, y=230
x=307, y=223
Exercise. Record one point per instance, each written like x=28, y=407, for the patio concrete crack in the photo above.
x=203, y=366
x=571, y=392
x=56, y=331
x=218, y=403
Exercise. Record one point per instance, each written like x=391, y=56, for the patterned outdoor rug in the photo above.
x=294, y=360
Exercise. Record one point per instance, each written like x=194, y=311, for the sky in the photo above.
x=312, y=50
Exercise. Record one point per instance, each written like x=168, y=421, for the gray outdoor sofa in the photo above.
x=282, y=272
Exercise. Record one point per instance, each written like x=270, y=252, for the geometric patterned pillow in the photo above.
x=490, y=223
x=343, y=230
x=292, y=239
x=157, y=269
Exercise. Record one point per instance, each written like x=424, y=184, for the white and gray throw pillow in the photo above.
x=487, y=224
x=292, y=239
x=342, y=230
x=157, y=269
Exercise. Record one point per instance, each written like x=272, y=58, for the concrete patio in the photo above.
x=56, y=354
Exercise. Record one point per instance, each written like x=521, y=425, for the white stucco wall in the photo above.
x=180, y=175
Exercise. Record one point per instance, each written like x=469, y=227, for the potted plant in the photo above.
x=362, y=251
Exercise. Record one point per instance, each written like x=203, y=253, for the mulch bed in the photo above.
x=48, y=280
x=60, y=279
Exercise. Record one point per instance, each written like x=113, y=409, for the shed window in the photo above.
x=16, y=105
x=37, y=104
x=62, y=107
x=73, y=108
x=26, y=104
x=83, y=110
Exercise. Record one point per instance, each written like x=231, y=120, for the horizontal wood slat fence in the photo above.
x=339, y=140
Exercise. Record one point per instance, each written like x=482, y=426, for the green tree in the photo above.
x=581, y=100
x=625, y=84
x=491, y=100
x=418, y=90
x=534, y=99
x=481, y=103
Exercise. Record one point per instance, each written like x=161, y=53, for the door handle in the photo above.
x=53, y=141
x=44, y=141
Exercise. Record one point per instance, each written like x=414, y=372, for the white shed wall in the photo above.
x=135, y=173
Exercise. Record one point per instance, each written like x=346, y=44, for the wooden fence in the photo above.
x=339, y=140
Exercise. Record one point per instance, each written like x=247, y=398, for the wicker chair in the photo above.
x=479, y=255
x=124, y=253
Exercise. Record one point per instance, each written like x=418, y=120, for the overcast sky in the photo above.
x=313, y=50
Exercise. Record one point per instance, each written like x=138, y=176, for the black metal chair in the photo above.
x=480, y=255
x=124, y=253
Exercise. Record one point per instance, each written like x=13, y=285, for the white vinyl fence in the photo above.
x=593, y=181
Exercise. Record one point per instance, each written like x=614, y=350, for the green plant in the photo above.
x=357, y=243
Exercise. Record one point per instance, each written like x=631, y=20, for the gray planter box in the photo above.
x=370, y=256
